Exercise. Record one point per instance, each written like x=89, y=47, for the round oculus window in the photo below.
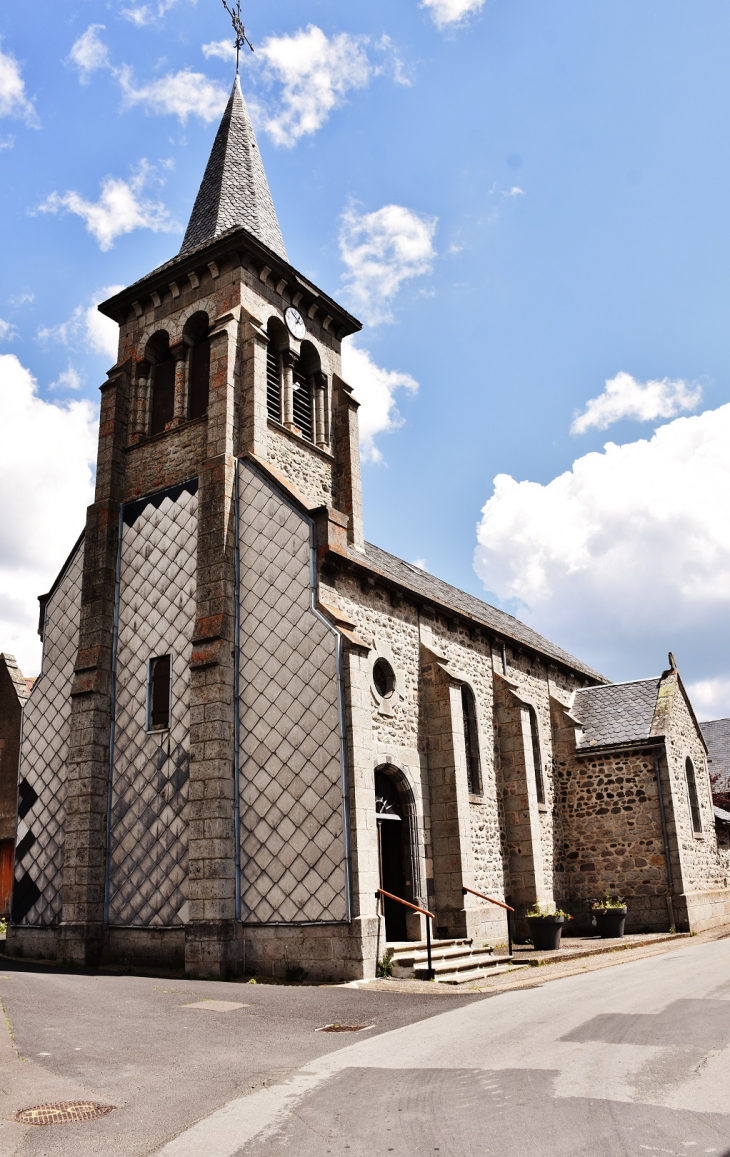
x=383, y=678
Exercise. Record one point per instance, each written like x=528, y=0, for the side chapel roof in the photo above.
x=618, y=713
x=234, y=191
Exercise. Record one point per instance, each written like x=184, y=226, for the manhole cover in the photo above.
x=62, y=1113
x=343, y=1028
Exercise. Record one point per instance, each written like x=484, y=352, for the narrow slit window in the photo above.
x=471, y=742
x=158, y=695
x=199, y=378
x=536, y=755
x=303, y=405
x=694, y=802
x=273, y=384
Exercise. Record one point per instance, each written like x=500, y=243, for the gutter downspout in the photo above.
x=670, y=880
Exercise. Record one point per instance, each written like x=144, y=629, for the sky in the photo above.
x=526, y=205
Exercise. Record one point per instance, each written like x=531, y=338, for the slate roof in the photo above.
x=617, y=714
x=234, y=191
x=717, y=738
x=420, y=582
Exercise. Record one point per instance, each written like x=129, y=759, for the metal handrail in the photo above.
x=415, y=908
x=406, y=904
x=499, y=904
x=491, y=901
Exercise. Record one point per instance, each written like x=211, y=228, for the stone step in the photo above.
x=476, y=974
x=447, y=953
x=404, y=965
x=408, y=947
x=463, y=963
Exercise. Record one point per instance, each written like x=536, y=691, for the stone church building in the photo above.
x=249, y=718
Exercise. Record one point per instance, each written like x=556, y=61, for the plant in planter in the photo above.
x=610, y=917
x=546, y=927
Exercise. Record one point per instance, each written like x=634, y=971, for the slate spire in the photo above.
x=234, y=190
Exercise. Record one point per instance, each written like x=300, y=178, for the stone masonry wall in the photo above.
x=308, y=469
x=165, y=460
x=700, y=861
x=723, y=849
x=393, y=634
x=612, y=835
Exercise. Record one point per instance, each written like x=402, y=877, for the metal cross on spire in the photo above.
x=241, y=37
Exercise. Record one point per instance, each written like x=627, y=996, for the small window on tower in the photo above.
x=273, y=383
x=196, y=332
x=158, y=694
x=162, y=406
x=303, y=405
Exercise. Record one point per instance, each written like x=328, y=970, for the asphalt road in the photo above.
x=630, y=1061
x=627, y=1062
x=130, y=1042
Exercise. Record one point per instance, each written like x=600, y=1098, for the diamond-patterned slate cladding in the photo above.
x=292, y=838
x=148, y=835
x=42, y=789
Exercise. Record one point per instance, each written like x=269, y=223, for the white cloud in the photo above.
x=375, y=390
x=445, y=12
x=624, y=397
x=181, y=94
x=316, y=73
x=143, y=14
x=87, y=328
x=13, y=99
x=626, y=555
x=515, y=191
x=381, y=250
x=8, y=142
x=121, y=208
x=47, y=454
x=89, y=52
x=420, y=563
x=69, y=379
x=711, y=698
x=22, y=298
x=7, y=330
x=223, y=49
x=140, y=16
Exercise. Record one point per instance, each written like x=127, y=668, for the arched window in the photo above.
x=536, y=755
x=196, y=334
x=274, y=373
x=302, y=405
x=694, y=803
x=273, y=383
x=162, y=408
x=471, y=741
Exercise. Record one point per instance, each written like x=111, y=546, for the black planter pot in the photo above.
x=546, y=932
x=610, y=922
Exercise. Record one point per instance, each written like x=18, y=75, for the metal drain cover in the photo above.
x=343, y=1028
x=63, y=1113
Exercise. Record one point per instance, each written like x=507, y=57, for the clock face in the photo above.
x=295, y=323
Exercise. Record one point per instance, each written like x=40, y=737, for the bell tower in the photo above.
x=227, y=356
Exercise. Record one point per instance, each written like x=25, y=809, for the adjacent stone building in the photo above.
x=13, y=694
x=249, y=719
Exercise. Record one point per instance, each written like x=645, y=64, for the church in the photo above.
x=251, y=723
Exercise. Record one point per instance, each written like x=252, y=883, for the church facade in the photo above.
x=249, y=719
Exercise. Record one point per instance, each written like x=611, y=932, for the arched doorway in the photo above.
x=392, y=843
